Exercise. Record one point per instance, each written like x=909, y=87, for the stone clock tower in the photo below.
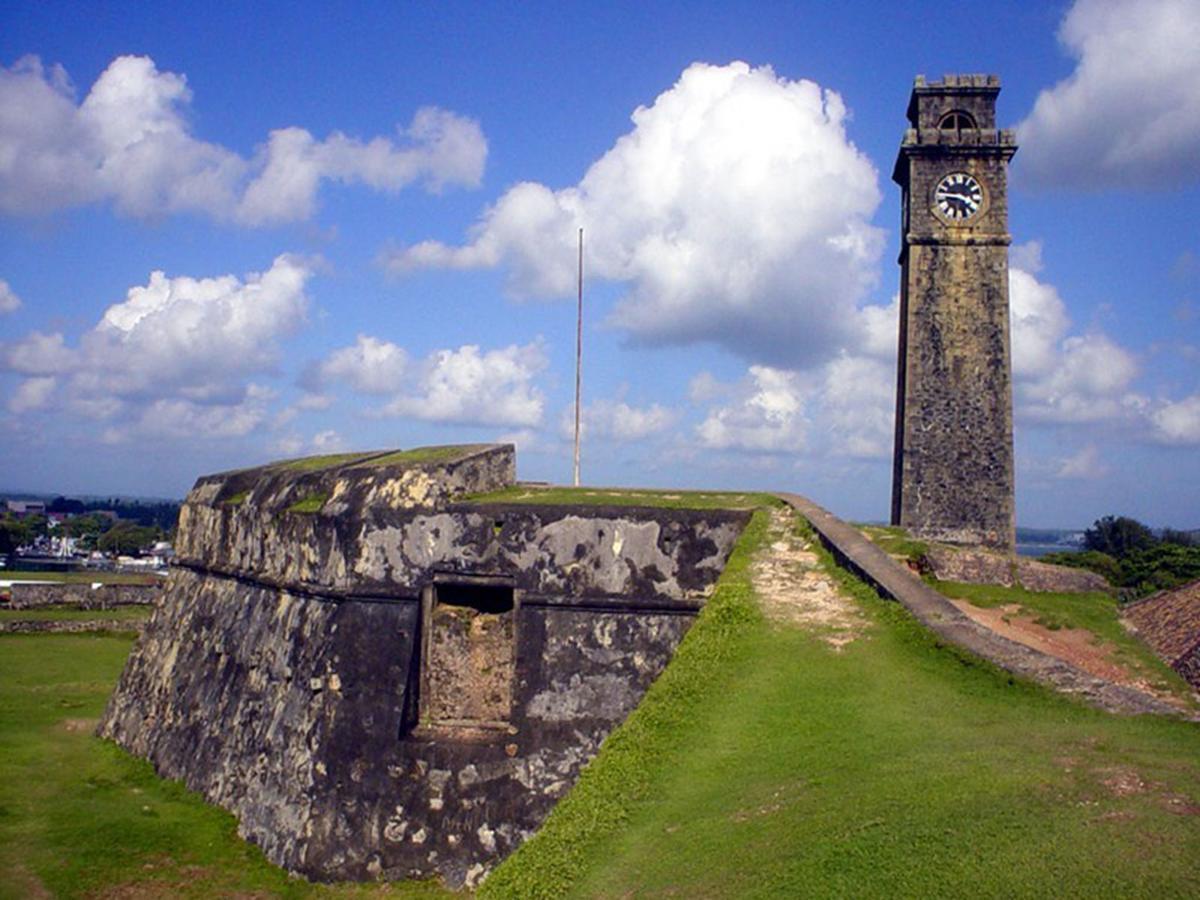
x=952, y=476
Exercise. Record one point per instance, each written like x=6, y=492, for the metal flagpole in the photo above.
x=578, y=354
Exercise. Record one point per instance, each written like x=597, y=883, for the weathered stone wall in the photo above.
x=953, y=469
x=983, y=567
x=84, y=596
x=283, y=676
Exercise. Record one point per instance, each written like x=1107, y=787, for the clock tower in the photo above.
x=952, y=476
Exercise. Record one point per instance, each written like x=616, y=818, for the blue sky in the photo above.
x=282, y=229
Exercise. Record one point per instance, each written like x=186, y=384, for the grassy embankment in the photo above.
x=663, y=499
x=61, y=614
x=764, y=764
x=82, y=577
x=1096, y=612
x=79, y=817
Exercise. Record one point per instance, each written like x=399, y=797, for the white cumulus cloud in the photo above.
x=466, y=385
x=765, y=414
x=1061, y=378
x=1130, y=112
x=470, y=386
x=32, y=393
x=175, y=351
x=130, y=142
x=9, y=301
x=735, y=211
x=370, y=366
x=1178, y=422
x=1086, y=465
x=618, y=421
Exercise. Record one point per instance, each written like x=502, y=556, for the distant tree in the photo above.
x=1098, y=562
x=1118, y=536
x=1181, y=538
x=1161, y=566
x=128, y=538
x=65, y=505
x=86, y=530
x=14, y=533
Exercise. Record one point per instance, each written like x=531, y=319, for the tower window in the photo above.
x=957, y=122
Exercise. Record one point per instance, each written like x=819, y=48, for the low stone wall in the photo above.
x=24, y=595
x=969, y=566
x=940, y=616
x=70, y=626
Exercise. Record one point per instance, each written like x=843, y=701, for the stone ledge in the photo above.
x=940, y=616
x=69, y=626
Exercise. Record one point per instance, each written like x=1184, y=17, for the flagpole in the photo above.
x=578, y=354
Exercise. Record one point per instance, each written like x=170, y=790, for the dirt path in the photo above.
x=793, y=589
x=1078, y=646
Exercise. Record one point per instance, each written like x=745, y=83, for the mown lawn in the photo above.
x=80, y=817
x=59, y=614
x=765, y=764
x=762, y=764
x=85, y=577
x=587, y=496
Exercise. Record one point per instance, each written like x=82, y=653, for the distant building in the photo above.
x=21, y=508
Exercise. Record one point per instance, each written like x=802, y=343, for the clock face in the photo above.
x=958, y=196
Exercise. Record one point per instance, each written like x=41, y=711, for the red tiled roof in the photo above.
x=1168, y=621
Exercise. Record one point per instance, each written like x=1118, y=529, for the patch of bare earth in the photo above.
x=85, y=726
x=25, y=884
x=1078, y=646
x=1101, y=785
x=793, y=589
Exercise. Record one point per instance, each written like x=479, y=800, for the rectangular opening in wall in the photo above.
x=469, y=655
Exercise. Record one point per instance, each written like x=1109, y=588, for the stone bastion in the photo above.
x=382, y=677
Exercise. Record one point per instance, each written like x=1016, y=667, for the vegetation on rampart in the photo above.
x=772, y=765
x=1133, y=558
x=309, y=505
x=661, y=499
x=425, y=455
x=762, y=763
x=316, y=463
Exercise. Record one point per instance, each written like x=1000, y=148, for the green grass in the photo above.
x=308, y=505
x=236, y=499
x=422, y=455
x=1095, y=611
x=765, y=764
x=70, y=614
x=82, y=577
x=80, y=817
x=663, y=499
x=316, y=463
x=895, y=540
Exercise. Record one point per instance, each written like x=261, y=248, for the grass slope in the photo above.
x=87, y=577
x=60, y=614
x=1094, y=611
x=80, y=817
x=765, y=764
x=662, y=499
